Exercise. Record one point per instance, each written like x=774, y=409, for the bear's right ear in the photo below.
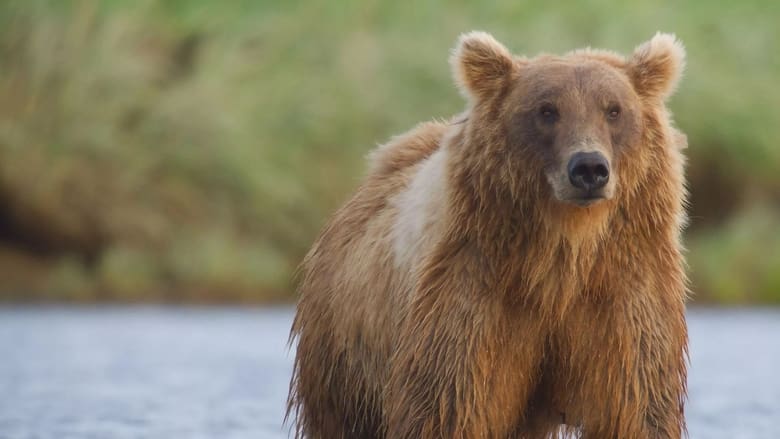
x=480, y=64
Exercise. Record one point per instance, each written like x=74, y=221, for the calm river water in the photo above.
x=223, y=373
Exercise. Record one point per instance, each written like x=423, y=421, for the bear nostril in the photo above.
x=588, y=170
x=601, y=171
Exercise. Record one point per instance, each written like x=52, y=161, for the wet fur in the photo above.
x=454, y=297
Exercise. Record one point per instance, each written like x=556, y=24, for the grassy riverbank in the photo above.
x=190, y=150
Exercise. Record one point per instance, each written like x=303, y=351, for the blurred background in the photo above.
x=188, y=151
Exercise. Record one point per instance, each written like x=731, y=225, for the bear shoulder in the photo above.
x=407, y=149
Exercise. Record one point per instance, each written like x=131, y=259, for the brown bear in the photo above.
x=515, y=271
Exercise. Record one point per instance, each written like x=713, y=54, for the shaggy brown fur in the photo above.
x=466, y=292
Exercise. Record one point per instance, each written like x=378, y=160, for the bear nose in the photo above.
x=588, y=170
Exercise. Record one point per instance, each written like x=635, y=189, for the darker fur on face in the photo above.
x=463, y=291
x=557, y=107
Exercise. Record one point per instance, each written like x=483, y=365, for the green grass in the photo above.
x=190, y=150
x=739, y=262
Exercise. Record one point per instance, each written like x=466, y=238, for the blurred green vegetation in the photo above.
x=190, y=150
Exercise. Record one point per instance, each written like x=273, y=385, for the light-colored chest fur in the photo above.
x=420, y=212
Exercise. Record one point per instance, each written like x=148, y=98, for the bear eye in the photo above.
x=613, y=112
x=548, y=113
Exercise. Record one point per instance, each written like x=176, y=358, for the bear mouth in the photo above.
x=587, y=200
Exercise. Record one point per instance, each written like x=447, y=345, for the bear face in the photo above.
x=573, y=128
x=577, y=119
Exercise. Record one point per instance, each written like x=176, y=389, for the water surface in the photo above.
x=223, y=373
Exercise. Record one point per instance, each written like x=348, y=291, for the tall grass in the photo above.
x=190, y=150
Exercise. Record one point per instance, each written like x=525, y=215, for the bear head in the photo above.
x=580, y=131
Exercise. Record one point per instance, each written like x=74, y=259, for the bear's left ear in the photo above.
x=480, y=64
x=656, y=66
